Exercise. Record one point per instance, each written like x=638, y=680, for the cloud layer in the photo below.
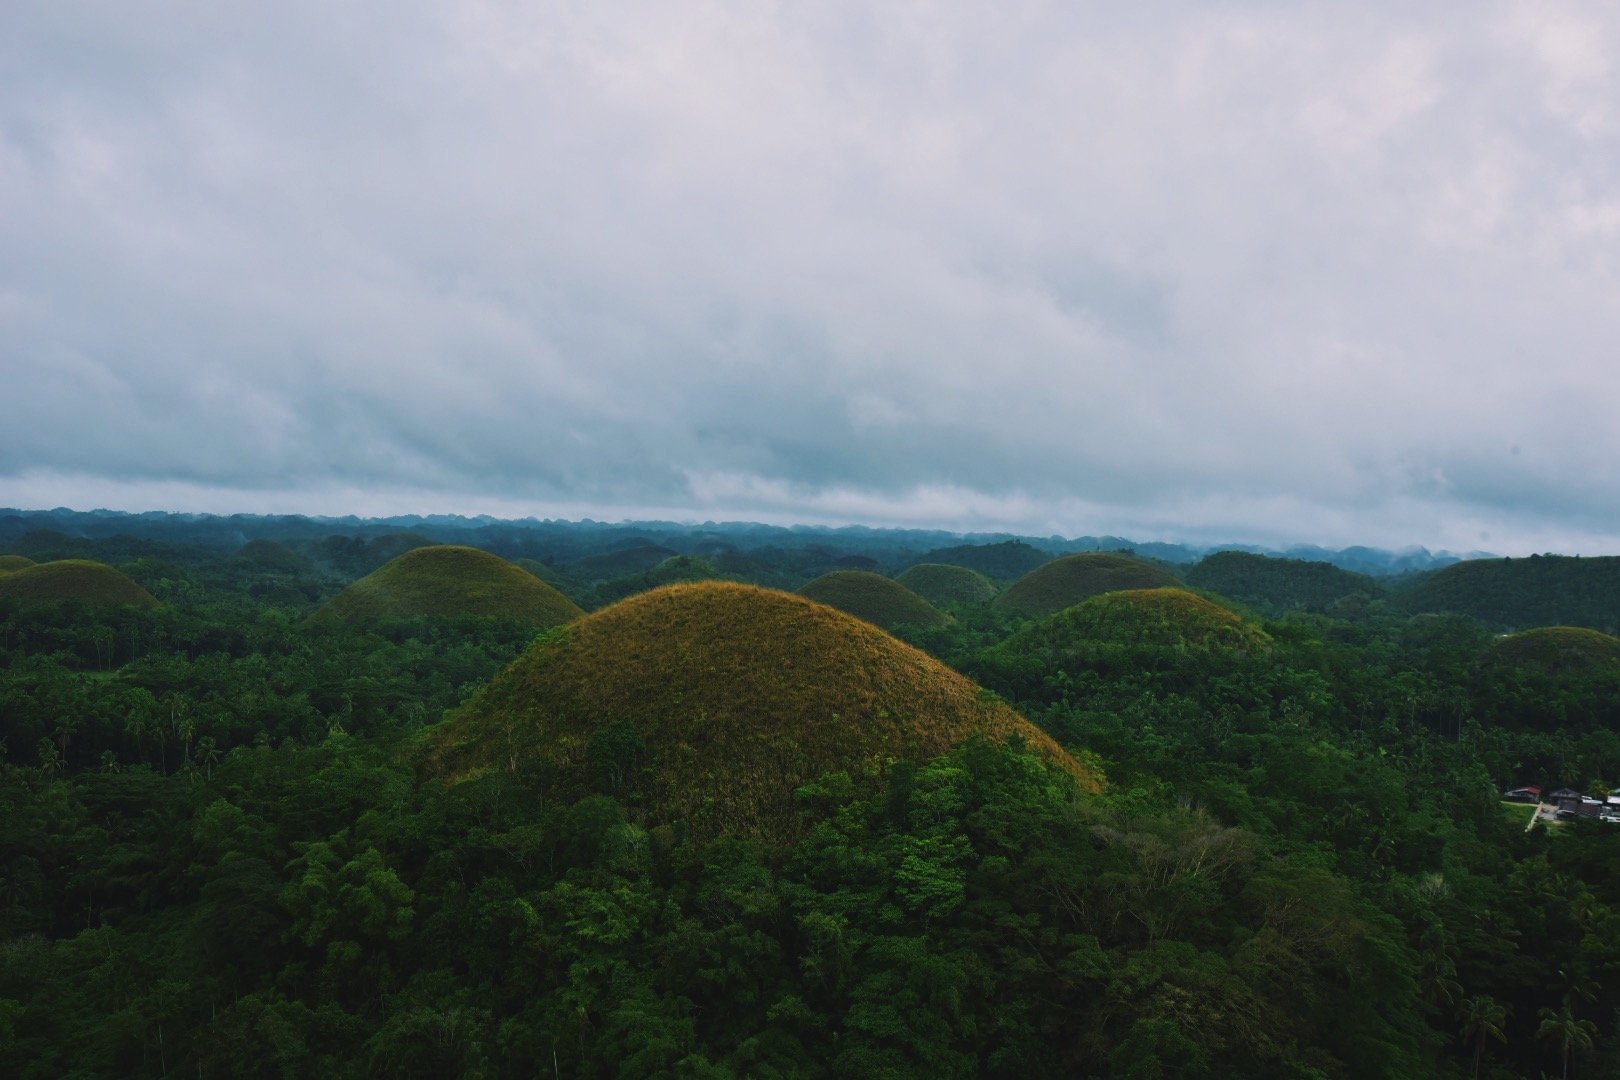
x=1235, y=270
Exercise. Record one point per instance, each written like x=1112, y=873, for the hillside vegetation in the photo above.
x=1275, y=584
x=1006, y=561
x=609, y=564
x=879, y=600
x=1067, y=581
x=718, y=700
x=9, y=563
x=1169, y=618
x=1556, y=650
x=1516, y=594
x=73, y=580
x=454, y=581
x=941, y=583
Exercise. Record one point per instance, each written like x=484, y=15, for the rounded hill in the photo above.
x=1067, y=581
x=630, y=560
x=1557, y=650
x=11, y=563
x=721, y=699
x=879, y=600
x=1163, y=618
x=941, y=583
x=449, y=581
x=73, y=579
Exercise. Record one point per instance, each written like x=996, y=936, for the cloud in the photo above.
x=1195, y=270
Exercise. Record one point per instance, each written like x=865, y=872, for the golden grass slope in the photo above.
x=449, y=581
x=941, y=583
x=1067, y=581
x=879, y=600
x=1557, y=650
x=741, y=694
x=1161, y=618
x=12, y=563
x=73, y=579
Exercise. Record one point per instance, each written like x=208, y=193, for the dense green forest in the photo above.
x=225, y=849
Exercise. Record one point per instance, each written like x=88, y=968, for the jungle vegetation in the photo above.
x=717, y=830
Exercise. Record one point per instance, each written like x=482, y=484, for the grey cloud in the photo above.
x=1289, y=271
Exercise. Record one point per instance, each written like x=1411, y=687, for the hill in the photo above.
x=1557, y=650
x=940, y=583
x=544, y=571
x=1067, y=581
x=10, y=563
x=1274, y=584
x=449, y=581
x=609, y=564
x=1169, y=618
x=1006, y=561
x=672, y=571
x=73, y=579
x=879, y=600
x=1515, y=594
x=716, y=700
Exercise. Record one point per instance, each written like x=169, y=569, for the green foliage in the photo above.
x=1515, y=594
x=1557, y=650
x=1275, y=585
x=881, y=601
x=10, y=563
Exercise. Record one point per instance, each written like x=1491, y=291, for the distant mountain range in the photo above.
x=574, y=539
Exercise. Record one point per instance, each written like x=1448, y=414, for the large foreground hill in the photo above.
x=721, y=699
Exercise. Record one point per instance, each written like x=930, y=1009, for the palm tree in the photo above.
x=208, y=754
x=1482, y=1017
x=1561, y=1028
x=109, y=762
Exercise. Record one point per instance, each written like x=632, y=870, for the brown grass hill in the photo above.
x=74, y=580
x=1067, y=581
x=713, y=702
x=940, y=583
x=1159, y=618
x=11, y=563
x=881, y=601
x=459, y=581
x=1556, y=650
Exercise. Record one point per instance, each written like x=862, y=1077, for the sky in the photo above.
x=1213, y=271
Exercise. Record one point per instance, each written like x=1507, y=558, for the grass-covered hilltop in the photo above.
x=77, y=580
x=1281, y=821
x=1160, y=618
x=449, y=581
x=941, y=583
x=879, y=600
x=9, y=563
x=1067, y=581
x=1557, y=649
x=717, y=701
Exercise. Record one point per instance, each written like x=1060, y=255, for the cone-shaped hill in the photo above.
x=1164, y=618
x=738, y=695
x=879, y=600
x=10, y=563
x=1067, y=581
x=449, y=581
x=1558, y=650
x=544, y=571
x=73, y=579
x=940, y=583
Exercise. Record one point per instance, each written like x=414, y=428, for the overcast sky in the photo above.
x=1234, y=270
